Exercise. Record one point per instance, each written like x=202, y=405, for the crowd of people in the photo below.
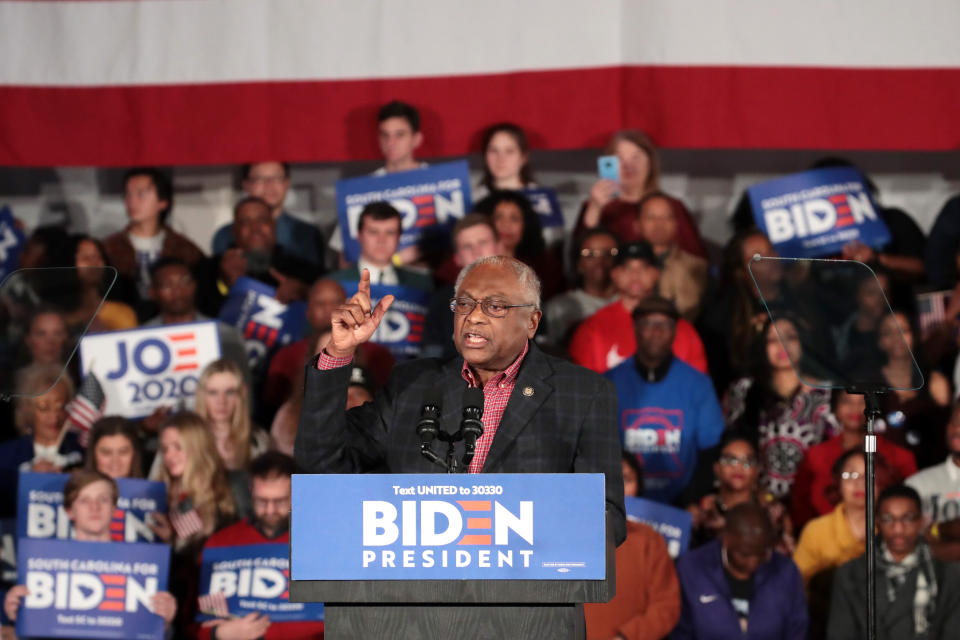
x=723, y=409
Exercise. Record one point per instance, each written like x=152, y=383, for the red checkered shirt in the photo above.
x=496, y=394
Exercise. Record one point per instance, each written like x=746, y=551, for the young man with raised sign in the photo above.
x=270, y=525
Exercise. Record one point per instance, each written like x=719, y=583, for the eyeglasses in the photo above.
x=734, y=461
x=851, y=475
x=599, y=253
x=907, y=518
x=493, y=307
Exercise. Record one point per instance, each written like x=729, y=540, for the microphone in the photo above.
x=471, y=426
x=429, y=426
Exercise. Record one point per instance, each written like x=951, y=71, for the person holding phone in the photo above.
x=614, y=203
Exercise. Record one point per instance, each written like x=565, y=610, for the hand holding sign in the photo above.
x=250, y=626
x=354, y=322
x=11, y=604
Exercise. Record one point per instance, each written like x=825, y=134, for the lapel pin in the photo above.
x=528, y=391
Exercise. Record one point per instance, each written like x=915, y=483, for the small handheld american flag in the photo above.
x=186, y=523
x=214, y=604
x=85, y=408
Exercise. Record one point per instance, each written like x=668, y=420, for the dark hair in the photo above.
x=271, y=464
x=472, y=220
x=631, y=461
x=244, y=201
x=737, y=435
x=81, y=478
x=115, y=426
x=164, y=263
x=160, y=182
x=380, y=210
x=900, y=491
x=592, y=233
x=518, y=135
x=245, y=169
x=398, y=109
x=531, y=243
x=653, y=195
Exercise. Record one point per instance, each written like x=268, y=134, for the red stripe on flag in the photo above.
x=679, y=106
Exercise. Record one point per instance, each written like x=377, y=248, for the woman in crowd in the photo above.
x=785, y=414
x=223, y=400
x=521, y=236
x=47, y=337
x=647, y=602
x=915, y=416
x=733, y=315
x=596, y=251
x=90, y=498
x=91, y=260
x=201, y=496
x=840, y=536
x=43, y=393
x=506, y=155
x=813, y=492
x=114, y=448
x=736, y=472
x=614, y=204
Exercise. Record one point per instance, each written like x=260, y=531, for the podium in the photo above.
x=498, y=581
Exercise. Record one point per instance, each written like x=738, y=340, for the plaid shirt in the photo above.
x=496, y=395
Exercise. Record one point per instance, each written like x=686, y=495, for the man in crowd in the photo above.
x=564, y=312
x=399, y=137
x=270, y=182
x=939, y=489
x=257, y=255
x=683, y=276
x=738, y=587
x=474, y=237
x=148, y=197
x=286, y=366
x=378, y=232
x=540, y=414
x=668, y=409
x=174, y=291
x=270, y=490
x=606, y=338
x=918, y=596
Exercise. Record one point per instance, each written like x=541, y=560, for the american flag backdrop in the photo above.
x=125, y=82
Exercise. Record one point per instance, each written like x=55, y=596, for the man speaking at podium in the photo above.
x=540, y=414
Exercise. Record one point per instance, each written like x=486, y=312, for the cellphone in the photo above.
x=609, y=168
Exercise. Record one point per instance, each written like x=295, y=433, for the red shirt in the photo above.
x=809, y=495
x=606, y=339
x=244, y=533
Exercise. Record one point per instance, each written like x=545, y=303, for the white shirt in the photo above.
x=378, y=275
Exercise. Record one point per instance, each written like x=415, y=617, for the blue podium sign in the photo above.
x=672, y=523
x=815, y=213
x=40, y=512
x=253, y=578
x=90, y=589
x=448, y=527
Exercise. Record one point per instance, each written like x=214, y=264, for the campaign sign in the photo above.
x=40, y=512
x=141, y=370
x=815, y=213
x=448, y=527
x=401, y=330
x=546, y=204
x=266, y=323
x=90, y=589
x=430, y=200
x=254, y=579
x=11, y=243
x=672, y=523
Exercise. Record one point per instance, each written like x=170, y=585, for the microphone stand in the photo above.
x=872, y=411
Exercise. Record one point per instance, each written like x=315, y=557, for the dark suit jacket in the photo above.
x=568, y=424
x=848, y=615
x=405, y=277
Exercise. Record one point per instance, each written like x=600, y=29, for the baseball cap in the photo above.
x=635, y=251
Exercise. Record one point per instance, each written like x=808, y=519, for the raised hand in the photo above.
x=354, y=322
